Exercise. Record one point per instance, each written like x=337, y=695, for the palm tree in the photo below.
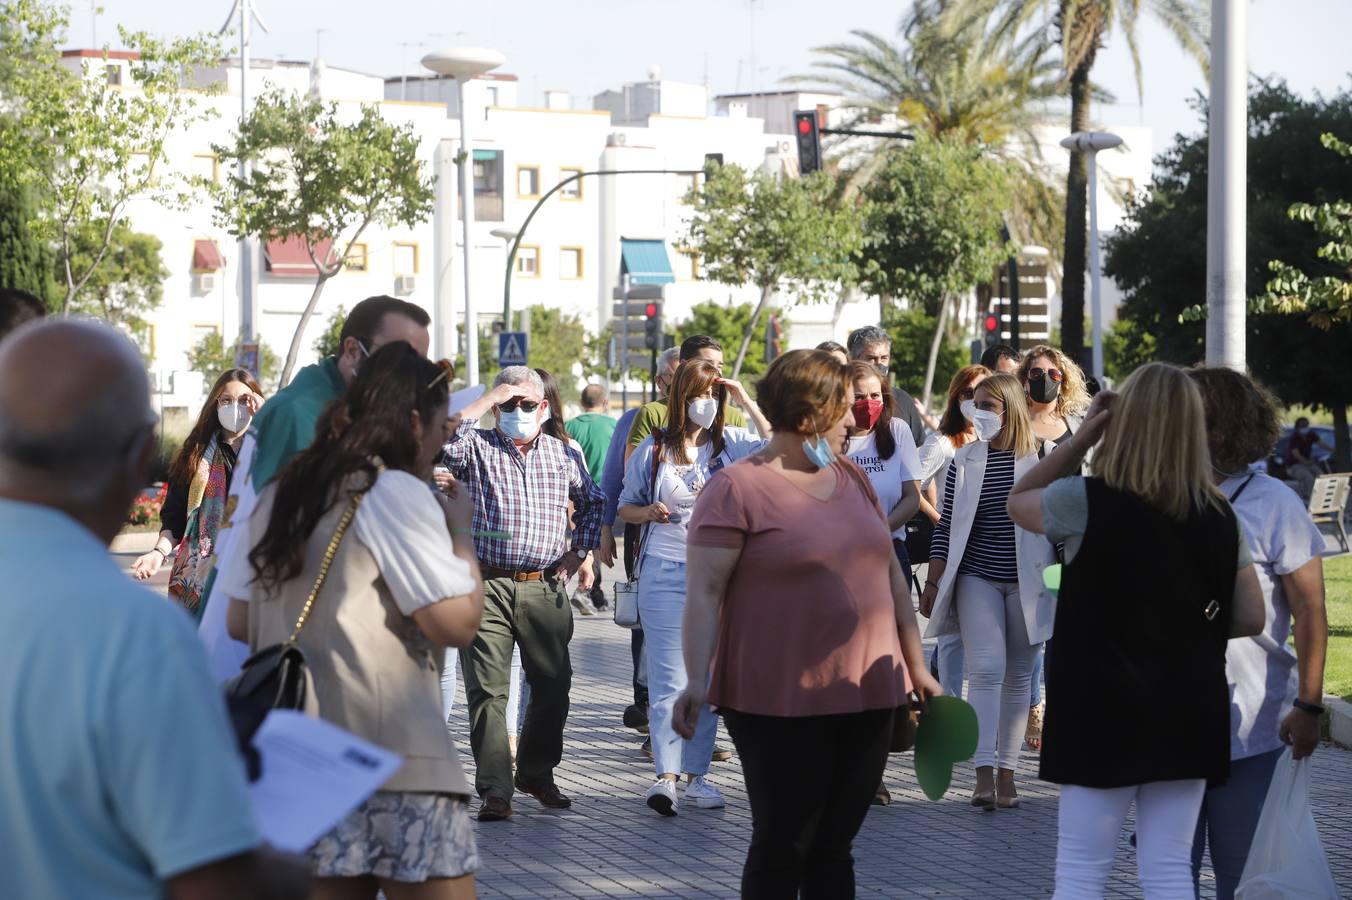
x=1082, y=27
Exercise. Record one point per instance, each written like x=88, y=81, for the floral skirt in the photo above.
x=401, y=836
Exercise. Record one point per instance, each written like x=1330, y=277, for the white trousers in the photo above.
x=1089, y=827
x=999, y=666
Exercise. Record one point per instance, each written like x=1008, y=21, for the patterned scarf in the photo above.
x=206, y=509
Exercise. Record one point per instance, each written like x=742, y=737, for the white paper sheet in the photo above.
x=314, y=774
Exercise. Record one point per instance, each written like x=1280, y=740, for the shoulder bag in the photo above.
x=626, y=592
x=275, y=677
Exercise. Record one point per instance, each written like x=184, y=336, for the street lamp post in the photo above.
x=1227, y=174
x=1091, y=142
x=463, y=64
x=507, y=236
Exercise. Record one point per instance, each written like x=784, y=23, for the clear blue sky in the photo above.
x=590, y=45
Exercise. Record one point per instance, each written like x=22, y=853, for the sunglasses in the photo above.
x=524, y=405
x=966, y=393
x=1051, y=374
x=446, y=374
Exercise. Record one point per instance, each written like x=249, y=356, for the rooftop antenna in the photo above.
x=248, y=15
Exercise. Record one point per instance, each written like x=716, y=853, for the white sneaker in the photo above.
x=662, y=797
x=703, y=794
x=582, y=602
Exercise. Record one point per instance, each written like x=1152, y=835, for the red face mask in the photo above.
x=866, y=413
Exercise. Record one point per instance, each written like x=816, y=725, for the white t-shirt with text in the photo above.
x=887, y=475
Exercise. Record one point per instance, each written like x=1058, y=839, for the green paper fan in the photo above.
x=946, y=735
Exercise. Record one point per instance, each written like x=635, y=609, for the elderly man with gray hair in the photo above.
x=121, y=775
x=521, y=482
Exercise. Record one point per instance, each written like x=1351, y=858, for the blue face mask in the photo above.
x=819, y=452
x=518, y=424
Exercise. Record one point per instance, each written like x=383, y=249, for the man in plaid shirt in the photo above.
x=521, y=482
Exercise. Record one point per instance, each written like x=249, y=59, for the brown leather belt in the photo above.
x=494, y=572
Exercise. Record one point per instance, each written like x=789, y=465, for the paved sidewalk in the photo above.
x=611, y=845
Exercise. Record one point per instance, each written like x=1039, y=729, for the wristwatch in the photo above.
x=581, y=553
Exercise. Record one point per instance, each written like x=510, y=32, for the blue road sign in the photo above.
x=512, y=349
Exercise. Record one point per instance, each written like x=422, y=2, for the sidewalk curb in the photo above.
x=134, y=542
x=1340, y=721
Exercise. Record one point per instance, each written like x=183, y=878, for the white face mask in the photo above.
x=986, y=424
x=235, y=417
x=968, y=408
x=702, y=411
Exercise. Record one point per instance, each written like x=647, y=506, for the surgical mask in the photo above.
x=866, y=411
x=519, y=425
x=702, y=411
x=1043, y=390
x=234, y=418
x=819, y=452
x=968, y=408
x=987, y=424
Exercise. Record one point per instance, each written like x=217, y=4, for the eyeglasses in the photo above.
x=1052, y=374
x=446, y=374
x=524, y=405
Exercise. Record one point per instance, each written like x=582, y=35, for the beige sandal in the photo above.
x=1032, y=739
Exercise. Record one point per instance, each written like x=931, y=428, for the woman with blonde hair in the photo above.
x=1056, y=392
x=992, y=593
x=1139, y=708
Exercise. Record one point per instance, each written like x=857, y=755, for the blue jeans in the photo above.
x=661, y=605
x=1036, y=696
x=1228, y=820
x=949, y=663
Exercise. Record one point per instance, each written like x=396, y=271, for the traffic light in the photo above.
x=652, y=325
x=992, y=326
x=808, y=133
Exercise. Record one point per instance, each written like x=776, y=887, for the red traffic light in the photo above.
x=650, y=310
x=804, y=125
x=992, y=323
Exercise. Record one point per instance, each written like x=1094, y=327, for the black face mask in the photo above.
x=1043, y=390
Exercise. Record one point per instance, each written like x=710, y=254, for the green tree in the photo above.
x=558, y=344
x=1083, y=26
x=211, y=357
x=959, y=71
x=779, y=234
x=330, y=342
x=89, y=145
x=931, y=222
x=912, y=333
x=1159, y=257
x=128, y=285
x=320, y=178
x=26, y=260
x=728, y=324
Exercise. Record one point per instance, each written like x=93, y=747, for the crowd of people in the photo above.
x=781, y=541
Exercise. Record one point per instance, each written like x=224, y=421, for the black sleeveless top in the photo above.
x=1136, y=688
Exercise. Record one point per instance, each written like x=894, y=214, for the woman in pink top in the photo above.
x=796, y=599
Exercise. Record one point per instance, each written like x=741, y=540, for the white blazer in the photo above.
x=1034, y=551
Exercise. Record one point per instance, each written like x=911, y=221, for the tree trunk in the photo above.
x=1342, y=452
x=296, y=338
x=1077, y=180
x=933, y=361
x=766, y=293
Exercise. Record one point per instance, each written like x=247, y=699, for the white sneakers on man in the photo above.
x=703, y=794
x=662, y=797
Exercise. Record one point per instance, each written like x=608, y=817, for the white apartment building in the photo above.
x=577, y=246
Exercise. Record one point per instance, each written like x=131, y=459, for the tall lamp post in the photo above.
x=463, y=64
x=1091, y=142
x=507, y=236
x=1226, y=184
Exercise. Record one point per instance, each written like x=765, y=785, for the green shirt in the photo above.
x=654, y=415
x=286, y=424
x=593, y=431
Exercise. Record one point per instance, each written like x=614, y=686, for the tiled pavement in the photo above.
x=611, y=845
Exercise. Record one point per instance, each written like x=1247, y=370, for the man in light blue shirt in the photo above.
x=121, y=777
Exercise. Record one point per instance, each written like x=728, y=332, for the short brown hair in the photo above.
x=804, y=386
x=1242, y=423
x=367, y=317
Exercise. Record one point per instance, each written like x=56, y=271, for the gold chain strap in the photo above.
x=329, y=554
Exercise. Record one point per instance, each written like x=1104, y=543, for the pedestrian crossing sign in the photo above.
x=512, y=348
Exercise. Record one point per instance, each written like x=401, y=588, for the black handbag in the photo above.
x=275, y=677
x=919, y=533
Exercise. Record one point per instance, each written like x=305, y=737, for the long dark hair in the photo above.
x=693, y=378
x=885, y=440
x=553, y=426
x=373, y=418
x=184, y=466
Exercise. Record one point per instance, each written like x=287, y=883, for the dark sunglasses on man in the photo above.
x=526, y=405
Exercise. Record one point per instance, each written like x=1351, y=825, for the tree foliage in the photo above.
x=26, y=260
x=320, y=178
x=780, y=234
x=89, y=145
x=211, y=357
x=128, y=285
x=727, y=323
x=1159, y=257
x=912, y=333
x=558, y=344
x=329, y=342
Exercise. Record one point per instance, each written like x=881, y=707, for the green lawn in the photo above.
x=1338, y=589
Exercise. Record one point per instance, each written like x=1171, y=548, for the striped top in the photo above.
x=990, y=551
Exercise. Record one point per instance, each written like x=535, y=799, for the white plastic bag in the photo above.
x=1286, y=861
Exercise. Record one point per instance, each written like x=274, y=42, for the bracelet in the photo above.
x=162, y=553
x=933, y=584
x=1313, y=709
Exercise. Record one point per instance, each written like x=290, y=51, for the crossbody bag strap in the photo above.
x=324, y=565
x=1239, y=490
x=652, y=491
